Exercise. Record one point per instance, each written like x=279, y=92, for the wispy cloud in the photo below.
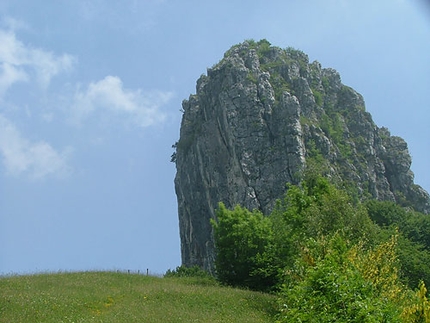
x=105, y=99
x=37, y=160
x=20, y=62
x=109, y=95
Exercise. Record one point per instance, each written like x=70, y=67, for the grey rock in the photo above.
x=257, y=119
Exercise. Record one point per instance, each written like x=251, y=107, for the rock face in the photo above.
x=257, y=119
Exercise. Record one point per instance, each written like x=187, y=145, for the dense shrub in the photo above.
x=342, y=284
x=184, y=271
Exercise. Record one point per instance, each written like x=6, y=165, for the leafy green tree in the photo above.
x=414, y=262
x=386, y=213
x=241, y=237
x=417, y=228
x=414, y=225
x=315, y=209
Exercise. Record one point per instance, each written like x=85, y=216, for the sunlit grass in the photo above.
x=119, y=297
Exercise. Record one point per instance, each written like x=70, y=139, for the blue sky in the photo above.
x=90, y=99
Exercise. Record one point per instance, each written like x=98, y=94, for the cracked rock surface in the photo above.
x=257, y=119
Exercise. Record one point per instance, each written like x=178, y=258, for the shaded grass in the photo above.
x=119, y=297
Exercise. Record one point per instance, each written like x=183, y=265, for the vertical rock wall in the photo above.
x=256, y=118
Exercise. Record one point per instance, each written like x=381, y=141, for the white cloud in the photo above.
x=37, y=160
x=20, y=62
x=109, y=95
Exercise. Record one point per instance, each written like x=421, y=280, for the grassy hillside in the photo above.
x=119, y=297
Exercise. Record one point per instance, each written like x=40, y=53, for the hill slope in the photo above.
x=118, y=297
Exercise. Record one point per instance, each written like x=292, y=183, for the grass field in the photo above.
x=120, y=297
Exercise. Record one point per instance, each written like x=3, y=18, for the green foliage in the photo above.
x=329, y=257
x=263, y=47
x=317, y=208
x=299, y=56
x=184, y=271
x=325, y=83
x=417, y=228
x=318, y=96
x=251, y=77
x=280, y=85
x=338, y=283
x=414, y=262
x=241, y=237
x=314, y=209
x=386, y=213
x=333, y=126
x=414, y=242
x=313, y=154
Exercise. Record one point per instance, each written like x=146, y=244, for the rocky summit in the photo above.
x=260, y=117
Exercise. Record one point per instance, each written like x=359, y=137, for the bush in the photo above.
x=343, y=284
x=184, y=271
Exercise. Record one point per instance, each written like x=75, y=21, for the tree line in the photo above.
x=329, y=257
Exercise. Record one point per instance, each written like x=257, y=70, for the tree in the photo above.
x=241, y=237
x=315, y=209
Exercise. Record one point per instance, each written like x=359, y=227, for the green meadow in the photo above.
x=120, y=297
